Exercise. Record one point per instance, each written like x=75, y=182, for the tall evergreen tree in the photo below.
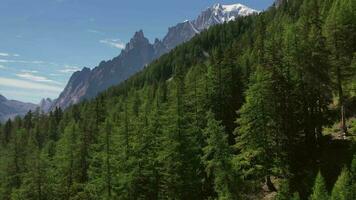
x=339, y=28
x=319, y=189
x=342, y=188
x=257, y=131
x=217, y=159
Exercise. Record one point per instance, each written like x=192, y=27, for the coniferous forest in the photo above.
x=263, y=107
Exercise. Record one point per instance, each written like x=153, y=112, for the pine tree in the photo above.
x=177, y=154
x=313, y=70
x=7, y=132
x=341, y=189
x=35, y=181
x=339, y=28
x=217, y=159
x=353, y=178
x=66, y=161
x=319, y=189
x=15, y=164
x=257, y=131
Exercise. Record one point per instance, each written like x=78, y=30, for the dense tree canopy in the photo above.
x=238, y=112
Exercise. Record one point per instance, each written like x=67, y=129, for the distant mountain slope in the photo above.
x=45, y=104
x=11, y=108
x=87, y=83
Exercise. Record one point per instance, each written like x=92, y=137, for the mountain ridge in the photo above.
x=138, y=52
x=12, y=108
x=9, y=108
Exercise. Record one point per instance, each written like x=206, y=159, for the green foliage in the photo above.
x=217, y=159
x=151, y=137
x=342, y=189
x=319, y=189
x=295, y=196
x=257, y=131
x=353, y=178
x=283, y=192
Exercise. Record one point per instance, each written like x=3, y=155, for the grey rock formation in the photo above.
x=11, y=108
x=45, y=104
x=139, y=52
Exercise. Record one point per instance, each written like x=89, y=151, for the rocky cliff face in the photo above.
x=11, y=108
x=76, y=88
x=45, y=104
x=139, y=52
x=88, y=83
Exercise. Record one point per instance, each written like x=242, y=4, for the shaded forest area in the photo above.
x=262, y=107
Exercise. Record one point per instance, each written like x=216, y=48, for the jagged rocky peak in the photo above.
x=137, y=40
x=45, y=104
x=242, y=10
x=159, y=48
x=178, y=34
x=138, y=52
x=219, y=13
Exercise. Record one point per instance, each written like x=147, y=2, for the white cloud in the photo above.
x=16, y=83
x=30, y=71
x=117, y=43
x=36, y=78
x=4, y=54
x=2, y=67
x=8, y=54
x=22, y=61
x=69, y=69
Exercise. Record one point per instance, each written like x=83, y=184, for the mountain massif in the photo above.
x=87, y=83
x=11, y=108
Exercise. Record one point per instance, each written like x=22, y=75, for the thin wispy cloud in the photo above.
x=69, y=69
x=36, y=78
x=8, y=54
x=2, y=67
x=117, y=43
x=95, y=31
x=17, y=83
x=4, y=54
x=22, y=61
x=53, y=74
x=30, y=71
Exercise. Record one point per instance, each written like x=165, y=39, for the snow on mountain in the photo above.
x=87, y=83
x=216, y=14
x=219, y=13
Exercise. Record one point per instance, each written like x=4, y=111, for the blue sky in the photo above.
x=42, y=42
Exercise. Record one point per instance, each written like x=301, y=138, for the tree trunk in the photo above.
x=341, y=102
x=108, y=172
x=270, y=185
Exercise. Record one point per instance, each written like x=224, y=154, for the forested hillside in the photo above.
x=259, y=108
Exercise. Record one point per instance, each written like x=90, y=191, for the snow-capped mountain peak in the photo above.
x=219, y=13
x=88, y=83
x=229, y=12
